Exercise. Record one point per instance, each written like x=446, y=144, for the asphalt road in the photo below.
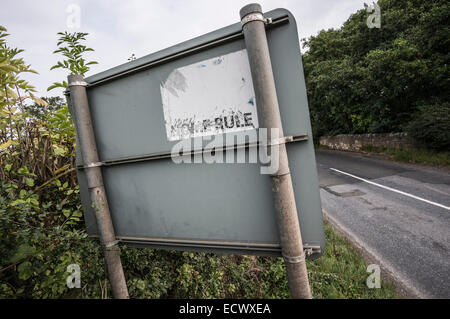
x=399, y=212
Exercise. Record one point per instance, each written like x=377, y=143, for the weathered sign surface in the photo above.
x=210, y=97
x=200, y=88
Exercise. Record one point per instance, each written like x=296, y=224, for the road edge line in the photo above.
x=402, y=286
x=391, y=189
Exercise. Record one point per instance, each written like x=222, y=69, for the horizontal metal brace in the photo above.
x=163, y=155
x=170, y=243
x=288, y=139
x=201, y=243
x=188, y=51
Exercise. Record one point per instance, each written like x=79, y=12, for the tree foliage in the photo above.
x=363, y=80
x=40, y=211
x=73, y=52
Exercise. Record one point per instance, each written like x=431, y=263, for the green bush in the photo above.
x=430, y=126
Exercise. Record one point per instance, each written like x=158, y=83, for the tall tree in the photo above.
x=363, y=80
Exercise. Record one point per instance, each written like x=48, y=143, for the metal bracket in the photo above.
x=311, y=249
x=111, y=243
x=77, y=83
x=308, y=250
x=286, y=139
x=294, y=260
x=256, y=16
x=96, y=164
x=155, y=156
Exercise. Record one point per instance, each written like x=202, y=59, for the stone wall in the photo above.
x=354, y=142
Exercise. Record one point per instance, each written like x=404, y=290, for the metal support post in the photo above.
x=88, y=148
x=253, y=26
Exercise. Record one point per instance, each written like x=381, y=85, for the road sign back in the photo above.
x=200, y=88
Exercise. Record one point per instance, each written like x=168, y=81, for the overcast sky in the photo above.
x=119, y=28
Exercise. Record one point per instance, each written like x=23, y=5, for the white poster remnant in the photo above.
x=209, y=97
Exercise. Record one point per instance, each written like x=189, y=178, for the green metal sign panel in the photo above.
x=192, y=92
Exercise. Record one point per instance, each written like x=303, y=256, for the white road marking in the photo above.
x=393, y=190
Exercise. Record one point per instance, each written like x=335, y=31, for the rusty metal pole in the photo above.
x=253, y=27
x=88, y=148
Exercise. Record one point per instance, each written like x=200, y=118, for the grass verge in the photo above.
x=341, y=272
x=415, y=156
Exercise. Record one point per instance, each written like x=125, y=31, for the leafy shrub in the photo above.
x=40, y=212
x=70, y=47
x=430, y=126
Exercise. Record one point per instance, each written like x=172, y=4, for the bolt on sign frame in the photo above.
x=221, y=207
